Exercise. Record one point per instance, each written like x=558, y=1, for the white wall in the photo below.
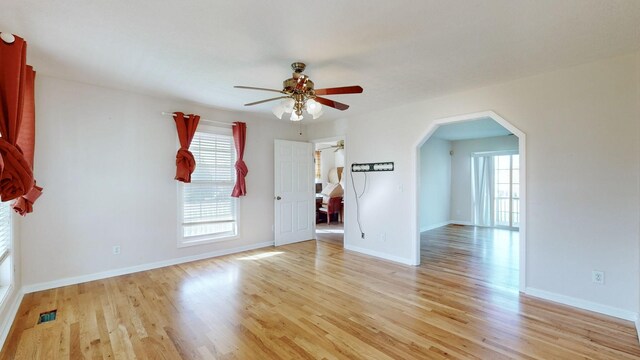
x=339, y=158
x=461, y=196
x=327, y=162
x=435, y=183
x=329, y=159
x=106, y=159
x=638, y=110
x=583, y=169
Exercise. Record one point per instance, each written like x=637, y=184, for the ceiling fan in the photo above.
x=298, y=95
x=338, y=146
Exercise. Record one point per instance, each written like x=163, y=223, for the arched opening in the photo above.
x=504, y=211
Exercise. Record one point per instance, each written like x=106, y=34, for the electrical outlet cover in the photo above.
x=597, y=277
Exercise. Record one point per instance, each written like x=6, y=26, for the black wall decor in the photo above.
x=367, y=167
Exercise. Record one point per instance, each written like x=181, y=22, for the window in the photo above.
x=207, y=210
x=495, y=179
x=507, y=190
x=5, y=249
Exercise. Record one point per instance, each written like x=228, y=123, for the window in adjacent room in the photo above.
x=496, y=189
x=207, y=212
x=507, y=190
x=6, y=277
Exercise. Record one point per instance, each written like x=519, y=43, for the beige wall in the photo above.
x=106, y=159
x=583, y=169
x=435, y=183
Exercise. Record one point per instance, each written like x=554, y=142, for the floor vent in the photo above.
x=47, y=316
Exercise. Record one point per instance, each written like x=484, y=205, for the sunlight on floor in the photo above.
x=330, y=231
x=262, y=255
x=490, y=254
x=223, y=282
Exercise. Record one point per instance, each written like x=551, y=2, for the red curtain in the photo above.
x=16, y=177
x=26, y=141
x=239, y=138
x=185, y=163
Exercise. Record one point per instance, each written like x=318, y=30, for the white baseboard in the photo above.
x=638, y=326
x=133, y=269
x=434, y=226
x=460, y=222
x=5, y=327
x=379, y=254
x=584, y=304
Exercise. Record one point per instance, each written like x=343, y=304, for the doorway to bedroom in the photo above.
x=329, y=160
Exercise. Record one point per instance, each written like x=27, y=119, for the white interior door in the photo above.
x=294, y=193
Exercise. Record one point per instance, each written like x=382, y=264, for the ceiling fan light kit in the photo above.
x=299, y=96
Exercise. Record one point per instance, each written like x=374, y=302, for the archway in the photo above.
x=523, y=183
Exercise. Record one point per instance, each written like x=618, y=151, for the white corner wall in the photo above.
x=327, y=162
x=106, y=159
x=461, y=196
x=638, y=112
x=583, y=169
x=435, y=183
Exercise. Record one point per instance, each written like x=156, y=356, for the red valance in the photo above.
x=239, y=138
x=185, y=162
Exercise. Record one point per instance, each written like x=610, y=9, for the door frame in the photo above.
x=314, y=142
x=275, y=194
x=415, y=187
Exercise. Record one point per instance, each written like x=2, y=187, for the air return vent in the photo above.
x=47, y=316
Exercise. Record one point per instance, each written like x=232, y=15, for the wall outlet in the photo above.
x=597, y=277
x=382, y=237
x=116, y=250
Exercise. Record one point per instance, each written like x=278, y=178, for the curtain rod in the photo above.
x=207, y=120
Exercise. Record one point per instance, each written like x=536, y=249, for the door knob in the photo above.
x=278, y=198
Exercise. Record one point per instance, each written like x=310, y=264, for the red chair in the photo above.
x=332, y=207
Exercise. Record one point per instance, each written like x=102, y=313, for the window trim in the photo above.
x=7, y=289
x=184, y=242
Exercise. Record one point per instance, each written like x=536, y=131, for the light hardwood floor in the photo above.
x=332, y=233
x=313, y=300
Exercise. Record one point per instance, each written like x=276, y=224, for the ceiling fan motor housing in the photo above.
x=298, y=67
x=289, y=86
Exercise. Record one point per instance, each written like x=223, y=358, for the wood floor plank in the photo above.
x=314, y=300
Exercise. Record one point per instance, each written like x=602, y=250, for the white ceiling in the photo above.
x=475, y=129
x=399, y=51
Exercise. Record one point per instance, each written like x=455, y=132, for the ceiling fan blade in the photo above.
x=340, y=90
x=331, y=103
x=257, y=88
x=267, y=100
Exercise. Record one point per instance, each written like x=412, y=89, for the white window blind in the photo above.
x=208, y=210
x=5, y=230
